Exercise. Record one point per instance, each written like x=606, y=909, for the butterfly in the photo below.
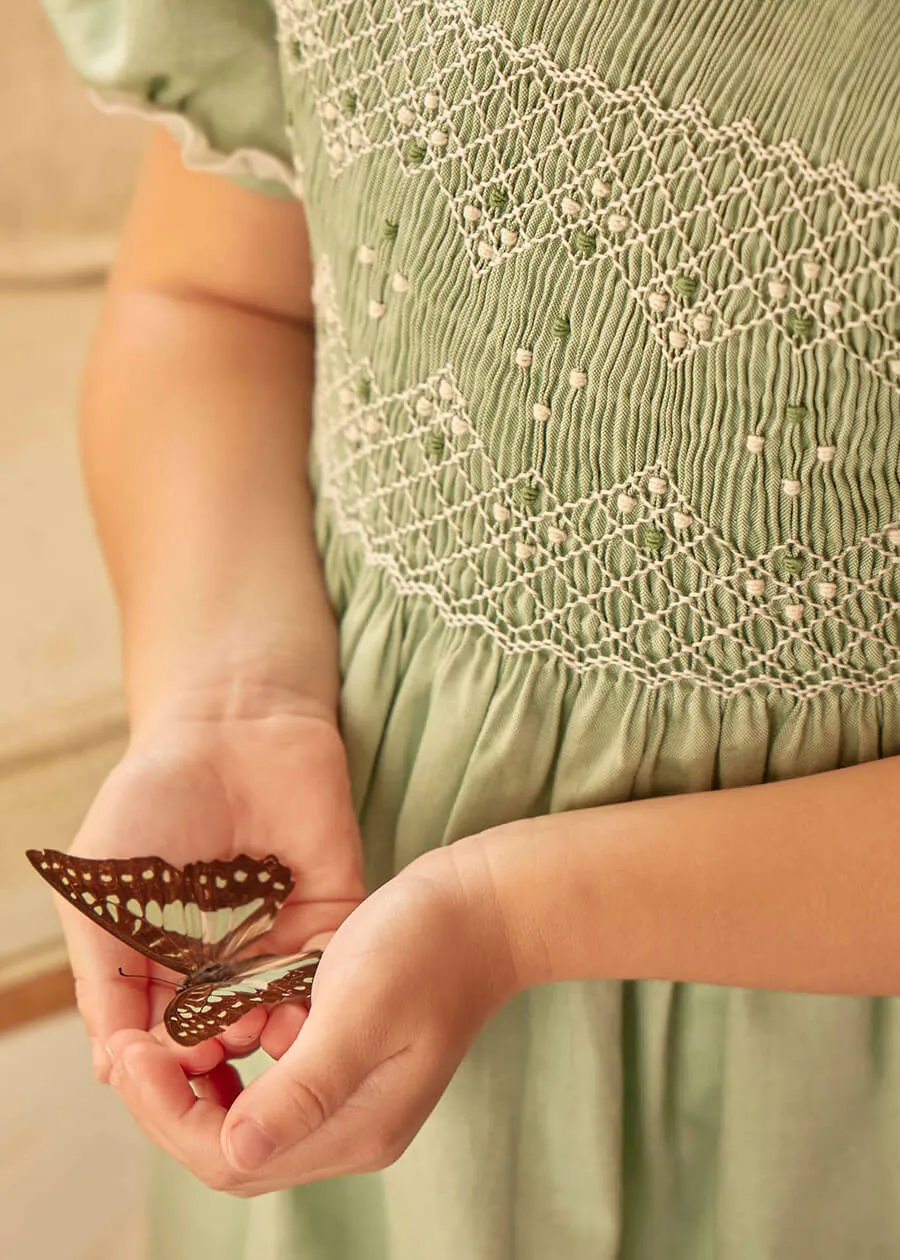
x=194, y=921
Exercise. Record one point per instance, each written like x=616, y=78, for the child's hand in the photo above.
x=204, y=788
x=401, y=991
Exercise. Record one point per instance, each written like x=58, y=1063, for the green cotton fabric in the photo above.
x=606, y=455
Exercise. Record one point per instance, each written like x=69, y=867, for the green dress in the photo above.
x=606, y=456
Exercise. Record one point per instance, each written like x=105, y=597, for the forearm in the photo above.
x=195, y=426
x=194, y=435
x=792, y=886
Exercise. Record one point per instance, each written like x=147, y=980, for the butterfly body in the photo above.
x=209, y=973
x=196, y=921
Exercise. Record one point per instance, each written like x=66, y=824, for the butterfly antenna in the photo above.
x=153, y=979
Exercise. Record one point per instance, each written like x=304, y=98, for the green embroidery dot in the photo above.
x=795, y=413
x=390, y=230
x=364, y=389
x=561, y=327
x=156, y=87
x=800, y=324
x=527, y=495
x=792, y=566
x=653, y=538
x=349, y=102
x=584, y=242
x=415, y=151
x=687, y=287
x=497, y=198
x=434, y=444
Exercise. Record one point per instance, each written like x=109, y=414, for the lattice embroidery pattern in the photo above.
x=713, y=231
x=629, y=574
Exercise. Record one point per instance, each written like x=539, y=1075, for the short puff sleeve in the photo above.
x=209, y=70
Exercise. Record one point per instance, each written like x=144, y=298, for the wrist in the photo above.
x=475, y=871
x=232, y=682
x=527, y=881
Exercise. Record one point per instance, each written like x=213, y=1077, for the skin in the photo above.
x=231, y=669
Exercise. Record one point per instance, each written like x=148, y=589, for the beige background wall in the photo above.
x=65, y=174
x=66, y=170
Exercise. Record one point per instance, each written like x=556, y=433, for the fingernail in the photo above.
x=118, y=1072
x=100, y=1060
x=249, y=1146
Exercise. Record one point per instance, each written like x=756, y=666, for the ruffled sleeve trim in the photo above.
x=254, y=165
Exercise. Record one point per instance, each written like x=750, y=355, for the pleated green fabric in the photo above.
x=606, y=456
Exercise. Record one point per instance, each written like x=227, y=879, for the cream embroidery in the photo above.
x=630, y=575
x=713, y=231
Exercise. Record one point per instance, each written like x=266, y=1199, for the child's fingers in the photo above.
x=193, y=1060
x=124, y=1085
x=161, y=1100
x=221, y=1086
x=242, y=1037
x=281, y=1030
x=302, y=1092
x=107, y=1002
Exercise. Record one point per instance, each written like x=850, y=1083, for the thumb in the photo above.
x=302, y=1091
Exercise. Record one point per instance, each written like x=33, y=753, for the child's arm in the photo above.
x=792, y=885
x=194, y=426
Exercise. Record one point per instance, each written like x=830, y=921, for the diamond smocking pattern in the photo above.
x=713, y=231
x=629, y=574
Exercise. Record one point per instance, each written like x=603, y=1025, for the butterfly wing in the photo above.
x=229, y=904
x=127, y=897
x=199, y=1011
x=180, y=919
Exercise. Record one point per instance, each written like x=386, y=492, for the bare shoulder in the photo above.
x=196, y=234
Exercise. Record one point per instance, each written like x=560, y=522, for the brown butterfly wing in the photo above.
x=238, y=900
x=180, y=919
x=204, y=1010
x=124, y=897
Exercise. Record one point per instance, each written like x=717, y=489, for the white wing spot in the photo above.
x=65, y=880
x=166, y=876
x=154, y=913
x=263, y=876
x=69, y=871
x=218, y=923
x=113, y=899
x=87, y=876
x=88, y=897
x=126, y=879
x=193, y=920
x=201, y=879
x=280, y=887
x=98, y=909
x=173, y=917
x=147, y=874
x=113, y=913
x=45, y=866
x=220, y=882
x=107, y=879
x=240, y=876
x=136, y=927
x=134, y=907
